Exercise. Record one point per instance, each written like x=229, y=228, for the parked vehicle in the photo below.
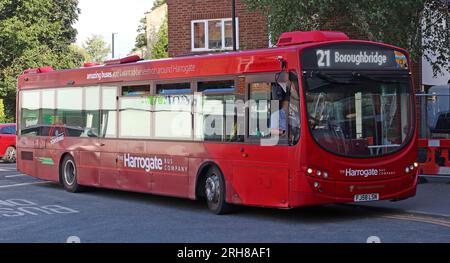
x=8, y=142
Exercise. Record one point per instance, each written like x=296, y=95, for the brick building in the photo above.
x=205, y=26
x=198, y=26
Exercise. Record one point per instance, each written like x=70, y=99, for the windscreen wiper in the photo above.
x=359, y=76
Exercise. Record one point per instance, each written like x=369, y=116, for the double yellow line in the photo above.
x=419, y=218
x=391, y=213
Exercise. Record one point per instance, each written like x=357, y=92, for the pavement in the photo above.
x=40, y=212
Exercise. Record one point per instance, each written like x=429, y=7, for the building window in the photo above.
x=215, y=34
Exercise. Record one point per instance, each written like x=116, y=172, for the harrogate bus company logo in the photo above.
x=154, y=163
x=349, y=172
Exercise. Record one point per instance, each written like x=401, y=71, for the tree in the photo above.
x=141, y=39
x=161, y=47
x=34, y=33
x=97, y=48
x=2, y=112
x=80, y=52
x=401, y=23
x=158, y=3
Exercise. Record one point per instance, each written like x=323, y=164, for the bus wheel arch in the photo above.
x=210, y=174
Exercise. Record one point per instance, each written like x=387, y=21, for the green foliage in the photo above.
x=80, y=52
x=141, y=39
x=158, y=3
x=34, y=33
x=161, y=48
x=390, y=21
x=2, y=112
x=97, y=48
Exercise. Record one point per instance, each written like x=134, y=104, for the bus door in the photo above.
x=261, y=174
x=434, y=143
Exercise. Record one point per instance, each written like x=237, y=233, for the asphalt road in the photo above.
x=36, y=211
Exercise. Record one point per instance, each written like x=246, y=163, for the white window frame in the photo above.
x=206, y=23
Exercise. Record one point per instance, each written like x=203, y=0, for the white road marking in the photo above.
x=15, y=175
x=24, y=184
x=7, y=170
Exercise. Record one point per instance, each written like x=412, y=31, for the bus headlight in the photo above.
x=407, y=170
x=310, y=171
x=416, y=165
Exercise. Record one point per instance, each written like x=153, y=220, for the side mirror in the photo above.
x=278, y=93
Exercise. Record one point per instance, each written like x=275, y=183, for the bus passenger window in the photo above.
x=139, y=90
x=109, y=112
x=48, y=109
x=135, y=114
x=92, y=111
x=69, y=111
x=172, y=109
x=173, y=88
x=217, y=112
x=259, y=110
x=30, y=113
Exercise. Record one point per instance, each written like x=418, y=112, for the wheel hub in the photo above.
x=70, y=173
x=11, y=155
x=213, y=188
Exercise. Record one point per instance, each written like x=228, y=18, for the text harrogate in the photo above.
x=361, y=58
x=366, y=173
x=149, y=164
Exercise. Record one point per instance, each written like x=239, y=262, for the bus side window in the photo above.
x=216, y=112
x=135, y=112
x=30, y=112
x=260, y=110
x=172, y=111
x=69, y=111
x=294, y=110
x=109, y=112
x=267, y=99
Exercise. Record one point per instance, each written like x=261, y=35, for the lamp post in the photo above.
x=233, y=14
x=112, y=44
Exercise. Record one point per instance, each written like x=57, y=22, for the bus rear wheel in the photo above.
x=69, y=175
x=215, y=192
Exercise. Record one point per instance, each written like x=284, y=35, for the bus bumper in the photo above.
x=334, y=192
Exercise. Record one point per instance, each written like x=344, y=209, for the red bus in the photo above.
x=319, y=119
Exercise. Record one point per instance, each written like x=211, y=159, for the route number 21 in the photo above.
x=324, y=58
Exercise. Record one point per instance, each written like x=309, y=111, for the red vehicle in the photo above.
x=434, y=142
x=319, y=119
x=8, y=142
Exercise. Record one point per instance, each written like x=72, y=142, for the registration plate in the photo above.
x=367, y=197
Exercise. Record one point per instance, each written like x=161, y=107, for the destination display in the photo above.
x=357, y=57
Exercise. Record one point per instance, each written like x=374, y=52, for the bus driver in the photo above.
x=278, y=120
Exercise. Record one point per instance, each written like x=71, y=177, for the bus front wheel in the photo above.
x=215, y=192
x=69, y=175
x=10, y=155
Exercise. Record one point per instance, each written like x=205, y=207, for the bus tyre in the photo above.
x=69, y=175
x=10, y=155
x=215, y=192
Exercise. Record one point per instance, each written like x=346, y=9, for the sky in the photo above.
x=104, y=17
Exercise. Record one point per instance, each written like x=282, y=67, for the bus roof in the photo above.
x=200, y=66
